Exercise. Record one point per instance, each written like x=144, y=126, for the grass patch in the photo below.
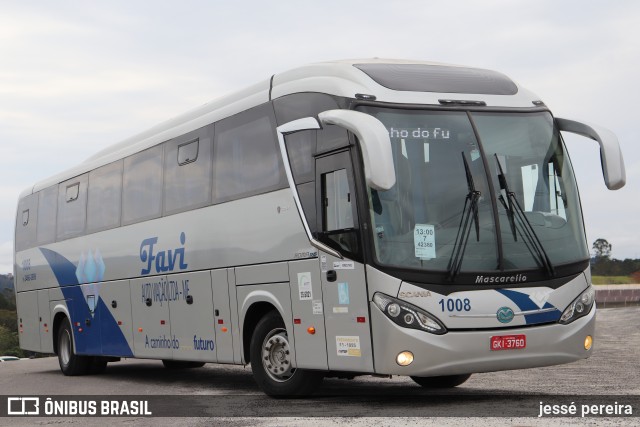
x=612, y=280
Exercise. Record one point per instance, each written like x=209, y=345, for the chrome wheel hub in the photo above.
x=276, y=355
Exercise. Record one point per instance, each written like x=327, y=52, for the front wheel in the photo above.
x=70, y=363
x=446, y=381
x=271, y=358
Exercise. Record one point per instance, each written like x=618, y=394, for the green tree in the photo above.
x=9, y=343
x=602, y=248
x=9, y=319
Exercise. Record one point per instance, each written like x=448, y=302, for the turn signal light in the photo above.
x=588, y=342
x=311, y=330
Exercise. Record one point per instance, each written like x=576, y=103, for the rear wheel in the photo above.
x=70, y=363
x=271, y=361
x=446, y=381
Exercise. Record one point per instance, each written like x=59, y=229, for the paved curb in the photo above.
x=617, y=295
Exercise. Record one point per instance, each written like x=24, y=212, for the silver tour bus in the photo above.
x=339, y=219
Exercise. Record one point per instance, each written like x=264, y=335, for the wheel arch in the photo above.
x=60, y=313
x=254, y=313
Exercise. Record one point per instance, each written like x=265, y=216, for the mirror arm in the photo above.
x=610, y=154
x=374, y=141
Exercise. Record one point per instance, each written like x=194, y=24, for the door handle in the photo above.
x=148, y=302
x=189, y=299
x=332, y=276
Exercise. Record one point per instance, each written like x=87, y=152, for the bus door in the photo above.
x=343, y=280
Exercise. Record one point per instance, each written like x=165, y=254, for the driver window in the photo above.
x=338, y=225
x=336, y=201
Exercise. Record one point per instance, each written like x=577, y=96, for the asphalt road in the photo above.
x=227, y=395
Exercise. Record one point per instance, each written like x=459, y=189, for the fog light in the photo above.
x=405, y=358
x=588, y=342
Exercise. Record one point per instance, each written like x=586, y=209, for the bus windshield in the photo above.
x=476, y=192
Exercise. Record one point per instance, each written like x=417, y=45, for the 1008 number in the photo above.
x=456, y=304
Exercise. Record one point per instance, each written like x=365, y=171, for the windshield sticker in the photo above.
x=343, y=293
x=304, y=286
x=348, y=346
x=341, y=310
x=424, y=241
x=475, y=154
x=420, y=133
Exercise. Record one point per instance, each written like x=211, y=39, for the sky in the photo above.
x=76, y=77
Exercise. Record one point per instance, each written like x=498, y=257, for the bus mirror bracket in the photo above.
x=374, y=142
x=610, y=154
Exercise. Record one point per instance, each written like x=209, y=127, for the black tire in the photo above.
x=97, y=365
x=71, y=364
x=271, y=365
x=446, y=381
x=180, y=364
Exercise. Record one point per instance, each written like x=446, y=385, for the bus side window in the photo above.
x=26, y=222
x=187, y=173
x=247, y=160
x=72, y=207
x=47, y=213
x=105, y=191
x=142, y=184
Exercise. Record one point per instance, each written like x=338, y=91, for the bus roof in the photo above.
x=389, y=80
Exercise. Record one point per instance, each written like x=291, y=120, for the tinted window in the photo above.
x=26, y=222
x=301, y=148
x=187, y=180
x=142, y=186
x=439, y=78
x=103, y=206
x=247, y=158
x=72, y=205
x=47, y=210
x=336, y=199
x=299, y=105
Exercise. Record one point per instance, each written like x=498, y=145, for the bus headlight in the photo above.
x=408, y=315
x=580, y=307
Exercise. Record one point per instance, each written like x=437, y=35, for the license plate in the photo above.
x=508, y=342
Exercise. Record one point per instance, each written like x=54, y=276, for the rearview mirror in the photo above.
x=610, y=154
x=374, y=142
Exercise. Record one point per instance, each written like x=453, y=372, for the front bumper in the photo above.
x=469, y=351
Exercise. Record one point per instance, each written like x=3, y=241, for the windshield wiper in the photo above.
x=515, y=212
x=469, y=211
